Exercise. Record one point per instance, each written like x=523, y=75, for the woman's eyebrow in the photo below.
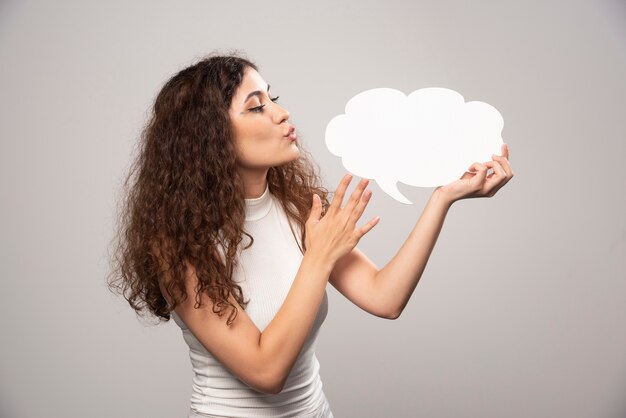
x=255, y=93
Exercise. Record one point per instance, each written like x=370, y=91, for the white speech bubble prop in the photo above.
x=426, y=139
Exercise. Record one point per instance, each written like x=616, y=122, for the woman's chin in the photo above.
x=296, y=150
x=290, y=158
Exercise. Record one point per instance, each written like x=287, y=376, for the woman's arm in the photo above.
x=386, y=292
x=261, y=360
x=264, y=360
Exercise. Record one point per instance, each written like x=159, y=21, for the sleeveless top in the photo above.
x=265, y=272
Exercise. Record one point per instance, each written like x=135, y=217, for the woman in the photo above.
x=219, y=161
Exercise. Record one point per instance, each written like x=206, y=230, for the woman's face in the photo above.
x=260, y=125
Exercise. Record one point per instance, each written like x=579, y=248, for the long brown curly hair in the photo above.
x=183, y=195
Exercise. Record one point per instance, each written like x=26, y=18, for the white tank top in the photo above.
x=265, y=272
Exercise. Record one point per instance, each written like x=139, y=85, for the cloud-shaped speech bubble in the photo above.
x=426, y=139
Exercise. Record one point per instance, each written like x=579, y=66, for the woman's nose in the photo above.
x=282, y=114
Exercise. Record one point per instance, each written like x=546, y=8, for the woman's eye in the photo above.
x=259, y=109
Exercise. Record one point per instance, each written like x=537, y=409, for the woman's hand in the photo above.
x=336, y=233
x=476, y=182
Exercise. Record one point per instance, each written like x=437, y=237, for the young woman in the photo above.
x=226, y=229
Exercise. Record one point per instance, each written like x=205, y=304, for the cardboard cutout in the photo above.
x=426, y=139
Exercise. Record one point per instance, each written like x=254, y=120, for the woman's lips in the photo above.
x=291, y=134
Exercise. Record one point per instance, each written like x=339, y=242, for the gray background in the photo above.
x=521, y=311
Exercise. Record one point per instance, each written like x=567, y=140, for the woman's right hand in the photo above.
x=336, y=233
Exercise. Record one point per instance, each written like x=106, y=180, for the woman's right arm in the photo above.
x=264, y=360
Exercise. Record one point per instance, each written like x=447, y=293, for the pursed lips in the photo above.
x=291, y=134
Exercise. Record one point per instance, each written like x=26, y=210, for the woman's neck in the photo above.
x=254, y=181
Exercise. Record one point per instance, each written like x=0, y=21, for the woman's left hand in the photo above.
x=476, y=182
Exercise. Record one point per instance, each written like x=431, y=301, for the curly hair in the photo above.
x=183, y=198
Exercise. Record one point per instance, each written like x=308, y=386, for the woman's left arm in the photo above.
x=386, y=292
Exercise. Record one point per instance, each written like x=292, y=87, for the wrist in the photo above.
x=318, y=260
x=442, y=197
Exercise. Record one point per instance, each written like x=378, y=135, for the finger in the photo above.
x=360, y=208
x=498, y=170
x=497, y=180
x=466, y=175
x=506, y=175
x=316, y=208
x=335, y=205
x=474, y=168
x=505, y=150
x=498, y=174
x=368, y=226
x=355, y=197
x=504, y=161
x=481, y=173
